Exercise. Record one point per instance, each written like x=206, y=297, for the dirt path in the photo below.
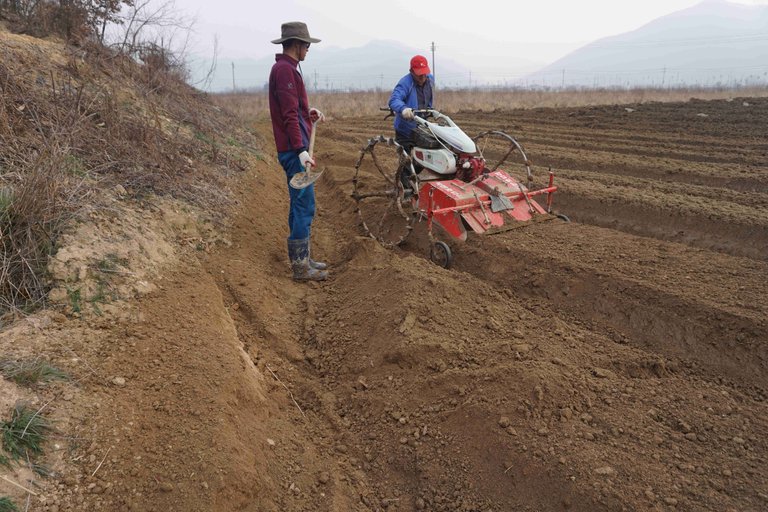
x=212, y=410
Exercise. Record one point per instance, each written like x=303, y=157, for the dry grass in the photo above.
x=254, y=105
x=34, y=205
x=74, y=121
x=23, y=435
x=29, y=372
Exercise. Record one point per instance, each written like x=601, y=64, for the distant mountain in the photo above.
x=712, y=43
x=378, y=64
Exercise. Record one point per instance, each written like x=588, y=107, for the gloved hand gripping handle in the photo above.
x=311, y=144
x=304, y=179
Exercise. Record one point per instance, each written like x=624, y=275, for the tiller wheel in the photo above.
x=385, y=213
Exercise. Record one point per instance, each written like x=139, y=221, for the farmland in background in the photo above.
x=254, y=105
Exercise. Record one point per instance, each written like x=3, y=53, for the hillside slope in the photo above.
x=714, y=42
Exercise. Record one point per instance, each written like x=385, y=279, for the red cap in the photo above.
x=419, y=65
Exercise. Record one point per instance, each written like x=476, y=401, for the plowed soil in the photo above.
x=617, y=362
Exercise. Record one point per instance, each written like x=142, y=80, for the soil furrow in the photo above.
x=724, y=334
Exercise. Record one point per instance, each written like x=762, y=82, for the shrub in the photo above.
x=76, y=20
x=34, y=205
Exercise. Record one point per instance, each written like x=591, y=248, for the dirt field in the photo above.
x=618, y=362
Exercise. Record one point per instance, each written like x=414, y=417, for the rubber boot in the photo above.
x=317, y=265
x=298, y=253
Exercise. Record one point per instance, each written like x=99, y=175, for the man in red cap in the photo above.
x=412, y=92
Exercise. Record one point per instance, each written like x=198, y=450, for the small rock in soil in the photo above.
x=602, y=373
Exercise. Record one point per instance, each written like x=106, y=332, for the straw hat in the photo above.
x=295, y=30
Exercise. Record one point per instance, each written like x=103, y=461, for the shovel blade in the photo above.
x=304, y=179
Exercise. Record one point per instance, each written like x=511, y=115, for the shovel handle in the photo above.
x=312, y=142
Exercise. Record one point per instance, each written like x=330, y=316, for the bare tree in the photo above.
x=150, y=21
x=205, y=82
x=106, y=12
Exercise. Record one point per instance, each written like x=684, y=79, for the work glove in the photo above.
x=407, y=113
x=305, y=159
x=316, y=116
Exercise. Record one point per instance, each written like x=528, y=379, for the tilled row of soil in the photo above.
x=693, y=173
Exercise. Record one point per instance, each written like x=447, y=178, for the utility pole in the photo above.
x=433, y=59
x=663, y=76
x=233, y=77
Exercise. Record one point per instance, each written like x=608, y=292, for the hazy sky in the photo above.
x=540, y=31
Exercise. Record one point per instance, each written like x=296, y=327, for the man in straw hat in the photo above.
x=292, y=125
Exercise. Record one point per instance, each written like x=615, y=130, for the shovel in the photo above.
x=304, y=179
